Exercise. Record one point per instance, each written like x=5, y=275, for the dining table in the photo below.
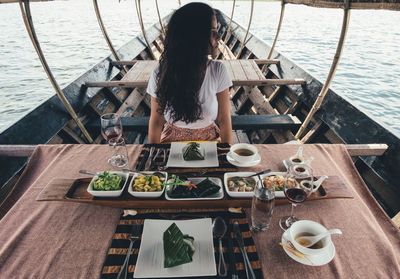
x=58, y=239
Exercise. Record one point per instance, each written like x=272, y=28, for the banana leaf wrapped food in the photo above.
x=192, y=152
x=188, y=190
x=178, y=247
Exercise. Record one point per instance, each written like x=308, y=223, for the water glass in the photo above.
x=120, y=153
x=262, y=207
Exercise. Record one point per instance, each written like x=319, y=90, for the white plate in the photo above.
x=108, y=194
x=238, y=194
x=317, y=260
x=146, y=195
x=175, y=158
x=278, y=194
x=239, y=164
x=217, y=196
x=150, y=262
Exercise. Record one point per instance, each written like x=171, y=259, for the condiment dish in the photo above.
x=108, y=194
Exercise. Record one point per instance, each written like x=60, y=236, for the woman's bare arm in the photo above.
x=224, y=116
x=156, y=122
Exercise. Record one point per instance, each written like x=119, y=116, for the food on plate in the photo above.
x=241, y=184
x=178, y=247
x=148, y=183
x=277, y=181
x=108, y=182
x=192, y=152
x=182, y=188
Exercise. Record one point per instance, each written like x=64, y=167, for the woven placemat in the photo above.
x=120, y=243
x=222, y=150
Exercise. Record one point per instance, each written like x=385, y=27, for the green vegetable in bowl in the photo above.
x=108, y=182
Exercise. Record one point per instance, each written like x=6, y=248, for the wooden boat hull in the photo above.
x=338, y=121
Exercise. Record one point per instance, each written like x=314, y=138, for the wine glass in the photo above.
x=111, y=130
x=111, y=126
x=297, y=186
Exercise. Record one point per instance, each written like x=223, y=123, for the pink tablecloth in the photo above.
x=70, y=240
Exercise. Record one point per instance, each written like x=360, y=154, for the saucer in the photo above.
x=247, y=164
x=317, y=260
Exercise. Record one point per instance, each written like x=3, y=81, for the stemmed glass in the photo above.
x=297, y=186
x=111, y=129
x=111, y=126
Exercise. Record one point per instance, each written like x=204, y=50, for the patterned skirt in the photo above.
x=172, y=133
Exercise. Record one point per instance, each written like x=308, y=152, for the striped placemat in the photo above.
x=120, y=243
x=222, y=150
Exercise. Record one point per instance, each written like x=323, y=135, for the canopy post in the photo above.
x=230, y=23
x=277, y=33
x=247, y=32
x=140, y=18
x=159, y=18
x=335, y=62
x=103, y=30
x=26, y=15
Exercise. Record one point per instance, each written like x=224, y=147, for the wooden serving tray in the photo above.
x=74, y=190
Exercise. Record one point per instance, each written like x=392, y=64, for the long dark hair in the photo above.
x=183, y=62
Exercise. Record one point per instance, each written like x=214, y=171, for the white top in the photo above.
x=216, y=80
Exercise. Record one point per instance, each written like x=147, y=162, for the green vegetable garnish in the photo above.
x=107, y=182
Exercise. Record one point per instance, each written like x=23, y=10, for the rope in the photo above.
x=139, y=14
x=105, y=35
x=335, y=62
x=26, y=15
x=247, y=32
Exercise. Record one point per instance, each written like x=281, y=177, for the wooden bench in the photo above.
x=239, y=122
x=242, y=72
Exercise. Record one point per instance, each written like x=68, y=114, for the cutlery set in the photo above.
x=153, y=154
x=220, y=229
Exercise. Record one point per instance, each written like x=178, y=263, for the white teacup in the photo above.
x=243, y=152
x=310, y=228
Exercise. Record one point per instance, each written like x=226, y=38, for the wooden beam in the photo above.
x=122, y=63
x=396, y=220
x=373, y=149
x=237, y=82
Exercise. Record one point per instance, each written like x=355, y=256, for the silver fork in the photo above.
x=135, y=235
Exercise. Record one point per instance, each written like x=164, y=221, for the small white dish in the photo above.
x=108, y=194
x=239, y=164
x=175, y=158
x=146, y=195
x=150, y=262
x=233, y=194
x=317, y=260
x=278, y=194
x=217, y=196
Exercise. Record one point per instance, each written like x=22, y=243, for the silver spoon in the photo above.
x=308, y=241
x=219, y=229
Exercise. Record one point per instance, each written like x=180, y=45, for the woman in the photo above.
x=187, y=89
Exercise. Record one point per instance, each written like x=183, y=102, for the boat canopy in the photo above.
x=393, y=5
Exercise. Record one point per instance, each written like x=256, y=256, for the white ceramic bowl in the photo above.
x=307, y=226
x=233, y=194
x=108, y=194
x=278, y=194
x=146, y=195
x=243, y=159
